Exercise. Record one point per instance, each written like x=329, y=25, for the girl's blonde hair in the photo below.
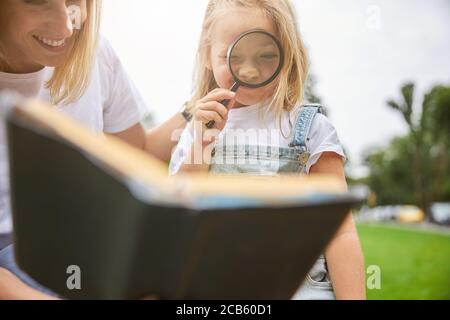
x=289, y=91
x=71, y=79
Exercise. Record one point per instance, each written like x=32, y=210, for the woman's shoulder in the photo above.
x=106, y=55
x=108, y=66
x=105, y=48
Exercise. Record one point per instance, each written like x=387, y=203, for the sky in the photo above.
x=361, y=53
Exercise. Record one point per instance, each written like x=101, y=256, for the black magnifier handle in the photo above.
x=225, y=102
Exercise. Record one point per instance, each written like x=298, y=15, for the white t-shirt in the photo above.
x=261, y=127
x=111, y=104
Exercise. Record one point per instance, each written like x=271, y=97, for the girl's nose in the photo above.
x=60, y=20
x=249, y=74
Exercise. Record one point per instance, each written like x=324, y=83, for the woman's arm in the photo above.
x=199, y=157
x=344, y=255
x=11, y=288
x=159, y=141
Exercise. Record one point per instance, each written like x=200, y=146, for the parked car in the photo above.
x=410, y=214
x=379, y=213
x=440, y=211
x=399, y=213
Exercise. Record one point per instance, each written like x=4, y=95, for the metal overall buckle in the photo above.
x=303, y=156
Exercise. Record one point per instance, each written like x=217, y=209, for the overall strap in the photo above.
x=302, y=128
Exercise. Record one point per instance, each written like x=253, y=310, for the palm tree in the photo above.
x=419, y=148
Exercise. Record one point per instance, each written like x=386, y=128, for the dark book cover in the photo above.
x=71, y=208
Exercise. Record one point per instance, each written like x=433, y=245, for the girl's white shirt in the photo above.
x=256, y=125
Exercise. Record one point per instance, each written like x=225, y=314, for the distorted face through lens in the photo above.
x=244, y=50
x=255, y=59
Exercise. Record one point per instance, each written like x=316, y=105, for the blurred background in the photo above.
x=382, y=70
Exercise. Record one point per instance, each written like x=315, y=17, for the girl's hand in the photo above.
x=209, y=108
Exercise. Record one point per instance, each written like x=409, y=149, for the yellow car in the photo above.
x=410, y=214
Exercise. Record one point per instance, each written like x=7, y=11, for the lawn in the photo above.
x=415, y=264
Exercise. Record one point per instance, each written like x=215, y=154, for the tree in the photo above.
x=390, y=172
x=310, y=94
x=437, y=114
x=415, y=168
x=420, y=149
x=436, y=121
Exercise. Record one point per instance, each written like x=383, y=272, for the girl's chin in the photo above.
x=247, y=101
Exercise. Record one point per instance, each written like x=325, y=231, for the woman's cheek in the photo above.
x=19, y=25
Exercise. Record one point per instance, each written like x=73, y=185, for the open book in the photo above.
x=85, y=200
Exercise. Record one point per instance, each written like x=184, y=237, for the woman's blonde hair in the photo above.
x=71, y=79
x=289, y=91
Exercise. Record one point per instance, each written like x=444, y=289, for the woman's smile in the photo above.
x=51, y=45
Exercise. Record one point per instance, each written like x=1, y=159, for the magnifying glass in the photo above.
x=255, y=59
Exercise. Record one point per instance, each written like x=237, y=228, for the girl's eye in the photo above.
x=269, y=56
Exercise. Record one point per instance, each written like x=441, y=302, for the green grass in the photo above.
x=415, y=264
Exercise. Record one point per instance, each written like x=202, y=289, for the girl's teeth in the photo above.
x=52, y=43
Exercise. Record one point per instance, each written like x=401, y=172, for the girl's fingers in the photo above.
x=215, y=106
x=219, y=95
x=210, y=107
x=206, y=116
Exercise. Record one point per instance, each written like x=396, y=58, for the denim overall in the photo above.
x=272, y=161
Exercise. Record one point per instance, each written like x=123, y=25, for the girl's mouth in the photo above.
x=52, y=45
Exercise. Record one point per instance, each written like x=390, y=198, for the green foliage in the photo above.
x=310, y=94
x=436, y=118
x=415, y=169
x=390, y=177
x=405, y=107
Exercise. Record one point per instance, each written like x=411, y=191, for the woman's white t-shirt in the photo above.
x=259, y=126
x=111, y=104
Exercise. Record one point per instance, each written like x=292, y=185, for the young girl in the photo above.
x=265, y=132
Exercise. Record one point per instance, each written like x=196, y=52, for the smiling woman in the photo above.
x=48, y=53
x=32, y=44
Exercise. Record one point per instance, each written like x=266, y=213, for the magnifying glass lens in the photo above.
x=255, y=59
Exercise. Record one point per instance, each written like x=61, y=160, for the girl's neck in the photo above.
x=238, y=105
